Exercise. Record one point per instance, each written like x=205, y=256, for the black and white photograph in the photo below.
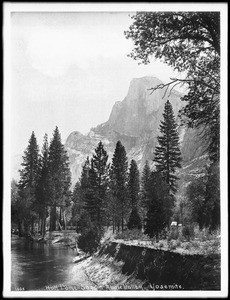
x=115, y=150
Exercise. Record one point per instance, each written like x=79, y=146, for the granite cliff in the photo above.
x=135, y=122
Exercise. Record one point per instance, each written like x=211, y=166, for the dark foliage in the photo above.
x=60, y=176
x=159, y=205
x=134, y=220
x=118, y=184
x=203, y=195
x=97, y=184
x=133, y=183
x=167, y=154
x=89, y=240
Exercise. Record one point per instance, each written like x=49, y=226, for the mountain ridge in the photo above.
x=135, y=122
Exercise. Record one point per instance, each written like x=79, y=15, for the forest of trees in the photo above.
x=115, y=194
x=118, y=194
x=43, y=192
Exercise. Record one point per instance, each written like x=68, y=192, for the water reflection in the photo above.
x=35, y=265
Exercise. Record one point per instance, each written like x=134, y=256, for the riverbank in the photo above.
x=65, y=237
x=123, y=265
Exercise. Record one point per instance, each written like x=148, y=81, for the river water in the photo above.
x=37, y=266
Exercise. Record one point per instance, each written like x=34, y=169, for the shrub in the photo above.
x=196, y=244
x=188, y=232
x=89, y=240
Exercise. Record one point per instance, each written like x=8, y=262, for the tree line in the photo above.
x=117, y=194
x=43, y=191
x=113, y=194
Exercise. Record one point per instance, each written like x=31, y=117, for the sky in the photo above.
x=67, y=70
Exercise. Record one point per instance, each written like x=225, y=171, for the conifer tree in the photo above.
x=78, y=201
x=158, y=205
x=84, y=180
x=118, y=178
x=80, y=193
x=145, y=176
x=212, y=197
x=29, y=175
x=167, y=153
x=98, y=183
x=60, y=178
x=43, y=186
x=203, y=195
x=90, y=195
x=16, y=208
x=101, y=168
x=146, y=173
x=133, y=184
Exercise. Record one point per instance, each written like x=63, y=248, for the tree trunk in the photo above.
x=122, y=222
x=32, y=226
x=53, y=218
x=64, y=220
x=43, y=224
x=60, y=219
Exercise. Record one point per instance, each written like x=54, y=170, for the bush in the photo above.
x=195, y=244
x=89, y=240
x=188, y=232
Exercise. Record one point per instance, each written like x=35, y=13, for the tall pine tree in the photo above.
x=146, y=173
x=133, y=184
x=145, y=176
x=134, y=189
x=158, y=205
x=29, y=175
x=43, y=186
x=90, y=195
x=212, y=197
x=98, y=183
x=118, y=186
x=60, y=179
x=84, y=180
x=80, y=193
x=101, y=168
x=167, y=153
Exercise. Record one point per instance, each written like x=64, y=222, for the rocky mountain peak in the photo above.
x=141, y=110
x=135, y=122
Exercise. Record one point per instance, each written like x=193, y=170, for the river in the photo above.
x=38, y=266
